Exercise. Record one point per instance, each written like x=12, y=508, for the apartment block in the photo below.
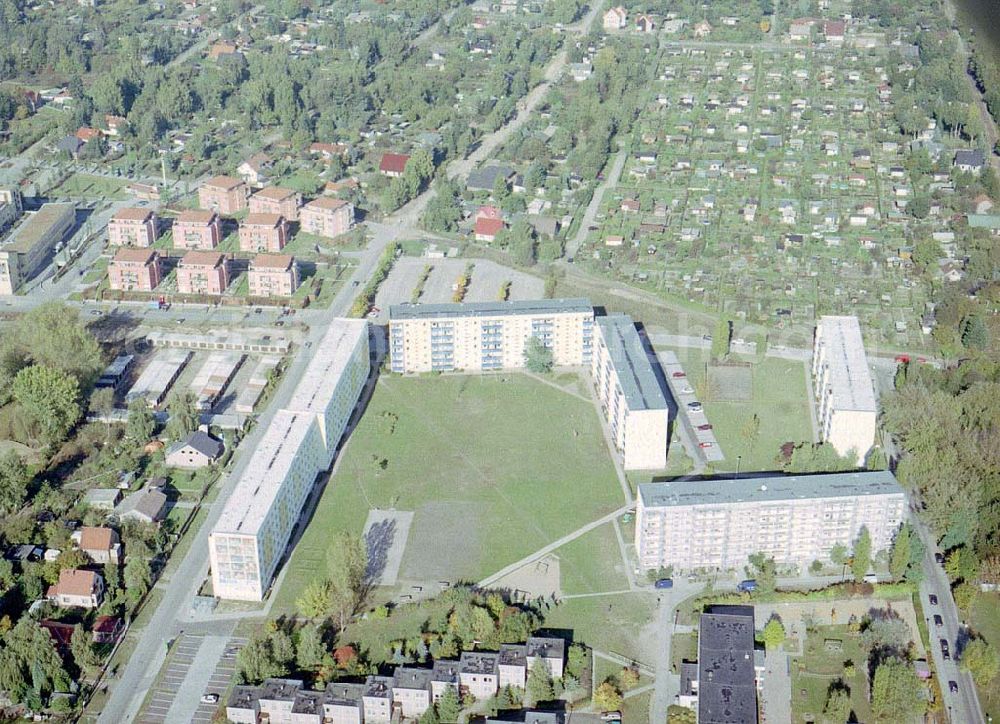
x=327, y=217
x=717, y=524
x=479, y=336
x=630, y=393
x=223, y=194
x=11, y=207
x=845, y=396
x=132, y=227
x=249, y=538
x=727, y=671
x=197, y=230
x=263, y=233
x=276, y=200
x=29, y=246
x=135, y=270
x=203, y=272
x=273, y=275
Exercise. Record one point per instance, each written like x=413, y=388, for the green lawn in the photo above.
x=86, y=185
x=986, y=622
x=592, y=563
x=479, y=461
x=817, y=668
x=780, y=400
x=623, y=624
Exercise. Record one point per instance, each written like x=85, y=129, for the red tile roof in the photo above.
x=196, y=216
x=262, y=220
x=139, y=256
x=488, y=227
x=103, y=539
x=203, y=258
x=132, y=214
x=393, y=162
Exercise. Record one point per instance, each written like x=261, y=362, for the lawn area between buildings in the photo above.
x=986, y=623
x=89, y=186
x=494, y=467
x=623, y=624
x=780, y=399
x=821, y=664
x=592, y=563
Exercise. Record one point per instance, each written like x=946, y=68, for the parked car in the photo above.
x=747, y=586
x=945, y=653
x=611, y=716
x=678, y=375
x=938, y=621
x=953, y=687
x=704, y=427
x=939, y=558
x=694, y=406
x=704, y=444
x=665, y=583
x=687, y=390
x=209, y=698
x=933, y=599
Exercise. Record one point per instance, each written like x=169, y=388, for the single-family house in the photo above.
x=393, y=164
x=254, y=170
x=487, y=229
x=100, y=545
x=77, y=588
x=615, y=18
x=970, y=160
x=197, y=450
x=107, y=629
x=145, y=506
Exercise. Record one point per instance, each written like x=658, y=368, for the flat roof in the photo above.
x=132, y=213
x=195, y=216
x=330, y=357
x=720, y=491
x=203, y=258
x=275, y=193
x=34, y=228
x=490, y=309
x=134, y=255
x=727, y=691
x=272, y=261
x=849, y=380
x=638, y=380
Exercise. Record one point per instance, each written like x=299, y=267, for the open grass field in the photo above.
x=986, y=622
x=817, y=668
x=493, y=467
x=780, y=398
x=88, y=186
x=623, y=624
x=592, y=563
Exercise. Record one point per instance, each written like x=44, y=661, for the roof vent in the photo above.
x=763, y=488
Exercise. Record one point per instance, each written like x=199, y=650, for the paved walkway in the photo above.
x=777, y=690
x=594, y=206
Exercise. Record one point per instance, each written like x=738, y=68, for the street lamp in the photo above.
x=739, y=459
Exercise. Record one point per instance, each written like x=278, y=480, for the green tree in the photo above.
x=962, y=564
x=315, y=599
x=773, y=634
x=839, y=554
x=444, y=210
x=138, y=577
x=607, y=697
x=681, y=715
x=14, y=480
x=256, y=661
x=762, y=569
x=449, y=707
x=82, y=649
x=49, y=398
x=899, y=559
x=52, y=335
x=539, y=687
x=184, y=415
x=838, y=704
x=721, y=338
x=537, y=357
x=980, y=659
x=974, y=333
x=862, y=559
x=141, y=423
x=311, y=650
x=346, y=562
x=896, y=692
x=750, y=431
x=628, y=679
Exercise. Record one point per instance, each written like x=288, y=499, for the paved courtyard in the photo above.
x=385, y=535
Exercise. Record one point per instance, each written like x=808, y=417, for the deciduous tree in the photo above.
x=896, y=692
x=50, y=398
x=862, y=559
x=980, y=658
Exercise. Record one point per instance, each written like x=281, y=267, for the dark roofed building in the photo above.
x=727, y=690
x=970, y=160
x=195, y=451
x=483, y=179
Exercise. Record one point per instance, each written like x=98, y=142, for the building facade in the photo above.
x=327, y=217
x=481, y=336
x=263, y=233
x=223, y=194
x=276, y=200
x=197, y=230
x=718, y=524
x=29, y=246
x=11, y=207
x=248, y=540
x=630, y=393
x=203, y=272
x=135, y=270
x=845, y=396
x=132, y=227
x=273, y=275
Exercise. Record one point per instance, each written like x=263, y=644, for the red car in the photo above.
x=902, y=358
x=678, y=375
x=704, y=427
x=704, y=444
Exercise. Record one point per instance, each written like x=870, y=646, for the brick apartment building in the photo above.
x=276, y=200
x=132, y=227
x=203, y=272
x=135, y=270
x=197, y=230
x=273, y=275
x=263, y=233
x=327, y=217
x=224, y=194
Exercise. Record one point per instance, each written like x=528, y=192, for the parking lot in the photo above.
x=185, y=649
x=693, y=418
x=219, y=681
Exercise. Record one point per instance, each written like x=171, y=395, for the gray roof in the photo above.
x=244, y=697
x=484, y=178
x=445, y=671
x=532, y=717
x=969, y=157
x=280, y=689
x=512, y=654
x=638, y=379
x=378, y=686
x=340, y=693
x=767, y=489
x=147, y=503
x=308, y=702
x=478, y=662
x=689, y=675
x=200, y=441
x=409, y=677
x=489, y=309
x=727, y=692
x=545, y=647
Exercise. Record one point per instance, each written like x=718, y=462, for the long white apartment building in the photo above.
x=716, y=524
x=247, y=542
x=630, y=394
x=845, y=396
x=480, y=336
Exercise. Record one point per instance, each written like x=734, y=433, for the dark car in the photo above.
x=694, y=406
x=747, y=586
x=938, y=621
x=953, y=687
x=665, y=583
x=706, y=426
x=945, y=652
x=939, y=558
x=933, y=599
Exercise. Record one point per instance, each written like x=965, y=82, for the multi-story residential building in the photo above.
x=30, y=244
x=479, y=336
x=250, y=536
x=203, y=272
x=512, y=666
x=263, y=233
x=276, y=200
x=718, y=524
x=223, y=194
x=132, y=227
x=844, y=393
x=630, y=394
x=327, y=217
x=551, y=651
x=277, y=697
x=444, y=676
x=377, y=700
x=135, y=270
x=343, y=703
x=273, y=275
x=11, y=207
x=243, y=706
x=727, y=677
x=77, y=588
x=479, y=675
x=197, y=230
x=411, y=690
